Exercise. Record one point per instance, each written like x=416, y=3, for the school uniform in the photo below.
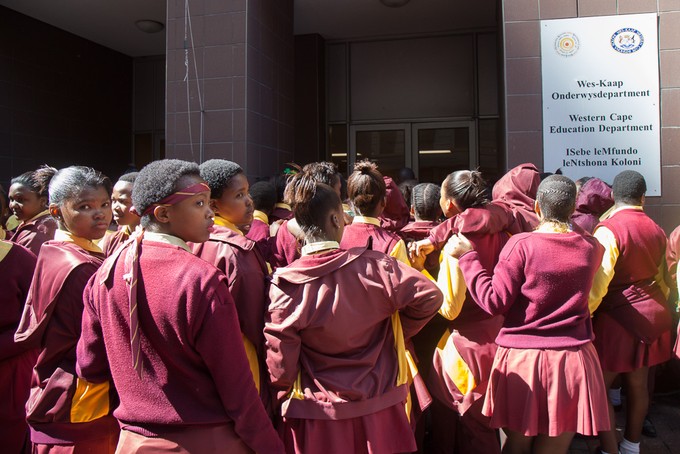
x=34, y=232
x=113, y=240
x=631, y=320
x=362, y=228
x=63, y=411
x=190, y=383
x=546, y=377
x=592, y=201
x=419, y=230
x=285, y=247
x=17, y=265
x=259, y=233
x=396, y=213
x=517, y=191
x=239, y=259
x=464, y=355
x=335, y=348
x=281, y=211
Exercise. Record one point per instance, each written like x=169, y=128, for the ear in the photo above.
x=213, y=205
x=642, y=200
x=337, y=222
x=412, y=212
x=55, y=211
x=162, y=214
x=537, y=209
x=44, y=201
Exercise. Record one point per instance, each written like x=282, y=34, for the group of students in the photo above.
x=284, y=317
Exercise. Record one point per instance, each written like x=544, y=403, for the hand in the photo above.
x=457, y=246
x=417, y=261
x=417, y=248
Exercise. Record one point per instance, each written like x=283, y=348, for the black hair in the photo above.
x=157, y=180
x=37, y=181
x=425, y=201
x=323, y=172
x=404, y=174
x=280, y=182
x=366, y=187
x=467, y=188
x=218, y=173
x=628, y=188
x=263, y=194
x=312, y=201
x=556, y=197
x=68, y=182
x=406, y=189
x=129, y=177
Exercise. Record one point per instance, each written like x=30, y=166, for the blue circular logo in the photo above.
x=627, y=40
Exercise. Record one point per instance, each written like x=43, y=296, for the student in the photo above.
x=592, y=201
x=517, y=191
x=426, y=211
x=178, y=362
x=286, y=246
x=546, y=383
x=336, y=318
x=463, y=358
x=28, y=200
x=631, y=320
x=125, y=217
x=282, y=210
x=237, y=257
x=395, y=214
x=66, y=413
x=263, y=194
x=17, y=265
x=366, y=189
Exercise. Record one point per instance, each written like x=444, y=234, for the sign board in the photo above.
x=601, y=97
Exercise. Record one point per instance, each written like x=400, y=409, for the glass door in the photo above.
x=388, y=145
x=443, y=147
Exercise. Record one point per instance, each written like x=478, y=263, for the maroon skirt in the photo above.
x=386, y=431
x=543, y=391
x=621, y=351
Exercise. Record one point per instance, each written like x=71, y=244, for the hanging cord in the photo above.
x=189, y=39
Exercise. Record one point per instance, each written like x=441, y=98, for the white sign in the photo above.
x=601, y=97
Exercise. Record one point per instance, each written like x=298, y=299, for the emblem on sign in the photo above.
x=566, y=44
x=627, y=40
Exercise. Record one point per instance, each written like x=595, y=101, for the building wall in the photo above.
x=522, y=68
x=63, y=100
x=235, y=99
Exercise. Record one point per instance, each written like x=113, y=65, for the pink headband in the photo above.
x=177, y=197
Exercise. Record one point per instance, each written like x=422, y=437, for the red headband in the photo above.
x=178, y=196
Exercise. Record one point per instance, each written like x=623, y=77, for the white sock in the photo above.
x=628, y=447
x=614, y=395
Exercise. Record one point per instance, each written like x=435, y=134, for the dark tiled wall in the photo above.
x=523, y=84
x=63, y=100
x=240, y=70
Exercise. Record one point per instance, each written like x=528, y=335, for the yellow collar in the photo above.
x=65, y=235
x=283, y=205
x=318, y=246
x=42, y=213
x=366, y=220
x=219, y=220
x=3, y=234
x=5, y=246
x=261, y=216
x=167, y=239
x=625, y=207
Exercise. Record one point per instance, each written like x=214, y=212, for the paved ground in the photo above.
x=664, y=413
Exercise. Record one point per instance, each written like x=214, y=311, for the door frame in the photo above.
x=353, y=129
x=472, y=139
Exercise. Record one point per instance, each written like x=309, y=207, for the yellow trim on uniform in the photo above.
x=253, y=361
x=454, y=365
x=605, y=272
x=5, y=247
x=166, y=238
x=90, y=401
x=319, y=246
x=366, y=220
x=219, y=220
x=400, y=252
x=404, y=374
x=12, y=222
x=283, y=205
x=261, y=216
x=88, y=245
x=452, y=285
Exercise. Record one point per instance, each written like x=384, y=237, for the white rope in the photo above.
x=189, y=40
